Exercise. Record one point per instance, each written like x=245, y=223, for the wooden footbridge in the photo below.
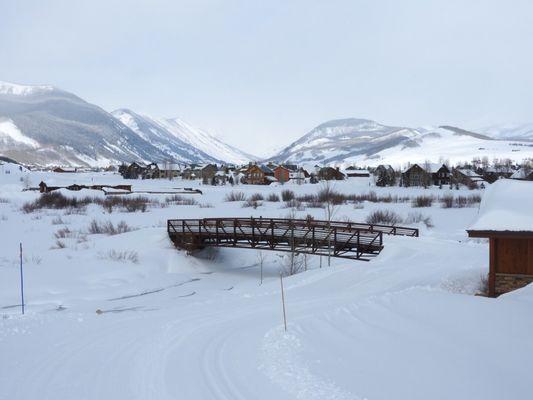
x=339, y=239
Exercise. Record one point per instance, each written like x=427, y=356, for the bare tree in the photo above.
x=331, y=207
x=261, y=257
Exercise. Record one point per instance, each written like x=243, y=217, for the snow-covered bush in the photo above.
x=256, y=197
x=235, y=196
x=252, y=203
x=422, y=201
x=273, y=197
x=287, y=195
x=295, y=204
x=447, y=201
x=418, y=217
x=180, y=200
x=383, y=217
x=121, y=256
x=98, y=227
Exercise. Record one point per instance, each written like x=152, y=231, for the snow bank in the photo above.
x=506, y=206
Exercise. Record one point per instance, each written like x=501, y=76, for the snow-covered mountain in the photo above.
x=47, y=126
x=367, y=142
x=510, y=131
x=338, y=140
x=182, y=136
x=152, y=131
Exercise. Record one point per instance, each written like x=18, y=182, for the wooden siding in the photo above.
x=515, y=256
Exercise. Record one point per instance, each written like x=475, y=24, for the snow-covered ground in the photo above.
x=405, y=325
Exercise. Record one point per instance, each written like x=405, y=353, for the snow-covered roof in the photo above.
x=169, y=166
x=265, y=169
x=521, y=174
x=506, y=206
x=468, y=172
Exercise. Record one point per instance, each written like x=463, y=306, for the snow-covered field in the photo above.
x=405, y=325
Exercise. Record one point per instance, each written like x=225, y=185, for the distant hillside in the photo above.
x=48, y=126
x=367, y=142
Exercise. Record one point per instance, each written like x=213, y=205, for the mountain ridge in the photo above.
x=45, y=125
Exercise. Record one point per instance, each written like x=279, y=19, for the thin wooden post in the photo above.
x=283, y=301
x=21, y=281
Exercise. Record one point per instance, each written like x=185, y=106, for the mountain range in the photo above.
x=44, y=125
x=366, y=142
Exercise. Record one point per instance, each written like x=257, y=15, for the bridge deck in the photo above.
x=339, y=239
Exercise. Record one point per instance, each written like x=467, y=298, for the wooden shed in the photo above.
x=506, y=219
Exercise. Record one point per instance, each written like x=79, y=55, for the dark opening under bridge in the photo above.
x=339, y=239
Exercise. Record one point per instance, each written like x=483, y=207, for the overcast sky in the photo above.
x=262, y=73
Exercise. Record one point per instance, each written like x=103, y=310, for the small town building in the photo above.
x=468, y=177
x=384, y=175
x=492, y=174
x=63, y=170
x=523, y=174
x=330, y=174
x=354, y=172
x=134, y=171
x=259, y=175
x=207, y=173
x=169, y=170
x=506, y=219
x=282, y=174
x=426, y=174
x=151, y=171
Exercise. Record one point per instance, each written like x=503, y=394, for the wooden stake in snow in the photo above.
x=283, y=301
x=21, y=281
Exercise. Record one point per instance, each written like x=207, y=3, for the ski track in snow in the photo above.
x=284, y=365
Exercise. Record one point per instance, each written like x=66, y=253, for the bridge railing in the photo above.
x=300, y=223
x=305, y=236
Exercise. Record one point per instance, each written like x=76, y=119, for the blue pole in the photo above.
x=21, y=281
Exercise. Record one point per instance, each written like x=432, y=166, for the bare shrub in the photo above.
x=3, y=217
x=3, y=200
x=121, y=256
x=98, y=227
x=56, y=200
x=292, y=264
x=295, y=204
x=422, y=201
x=129, y=204
x=252, y=203
x=58, y=221
x=256, y=197
x=59, y=245
x=315, y=204
x=63, y=233
x=180, y=200
x=329, y=195
x=287, y=195
x=447, y=201
x=383, y=217
x=484, y=285
x=273, y=197
x=418, y=217
x=235, y=196
x=205, y=205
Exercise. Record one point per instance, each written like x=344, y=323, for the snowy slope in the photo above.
x=44, y=125
x=155, y=133
x=370, y=143
x=205, y=141
x=404, y=326
x=510, y=131
x=336, y=140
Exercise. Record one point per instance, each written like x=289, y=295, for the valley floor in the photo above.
x=405, y=325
